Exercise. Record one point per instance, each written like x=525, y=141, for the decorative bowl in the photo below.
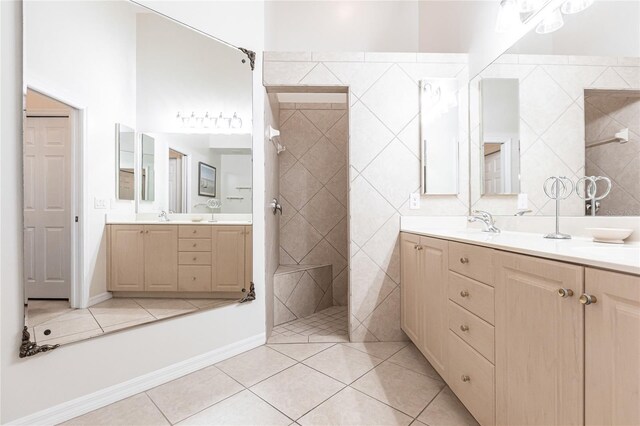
x=610, y=235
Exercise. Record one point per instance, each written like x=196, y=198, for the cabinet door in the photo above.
x=539, y=342
x=161, y=257
x=410, y=288
x=126, y=257
x=248, y=257
x=434, y=264
x=612, y=349
x=227, y=258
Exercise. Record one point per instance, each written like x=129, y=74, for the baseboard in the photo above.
x=79, y=406
x=94, y=300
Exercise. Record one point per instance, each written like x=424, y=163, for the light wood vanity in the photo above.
x=199, y=258
x=524, y=340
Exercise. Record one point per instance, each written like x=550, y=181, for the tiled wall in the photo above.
x=607, y=113
x=313, y=189
x=301, y=292
x=552, y=122
x=384, y=165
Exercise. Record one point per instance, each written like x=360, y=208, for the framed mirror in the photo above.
x=95, y=262
x=568, y=102
x=126, y=169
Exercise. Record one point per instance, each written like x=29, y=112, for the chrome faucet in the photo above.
x=163, y=216
x=486, y=218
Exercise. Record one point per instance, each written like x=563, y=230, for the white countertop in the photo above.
x=580, y=250
x=179, y=219
x=178, y=222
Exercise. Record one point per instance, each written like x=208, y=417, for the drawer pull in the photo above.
x=464, y=260
x=587, y=299
x=464, y=327
x=565, y=292
x=464, y=293
x=465, y=378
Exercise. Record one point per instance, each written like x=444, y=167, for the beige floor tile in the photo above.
x=297, y=390
x=117, y=311
x=255, y=365
x=399, y=387
x=329, y=338
x=192, y=393
x=447, y=410
x=301, y=351
x=343, y=363
x=382, y=350
x=137, y=410
x=211, y=303
x=411, y=358
x=350, y=407
x=129, y=324
x=164, y=308
x=281, y=338
x=74, y=322
x=242, y=409
x=39, y=311
x=72, y=337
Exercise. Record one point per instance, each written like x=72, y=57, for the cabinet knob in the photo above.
x=464, y=293
x=194, y=244
x=195, y=258
x=465, y=378
x=587, y=299
x=464, y=260
x=565, y=292
x=464, y=327
x=146, y=232
x=419, y=247
x=141, y=232
x=193, y=278
x=194, y=231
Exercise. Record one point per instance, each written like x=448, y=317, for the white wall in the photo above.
x=33, y=384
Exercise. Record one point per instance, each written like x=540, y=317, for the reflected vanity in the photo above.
x=101, y=257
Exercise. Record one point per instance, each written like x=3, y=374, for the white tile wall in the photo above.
x=383, y=168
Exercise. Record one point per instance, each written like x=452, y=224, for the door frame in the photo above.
x=505, y=161
x=185, y=171
x=79, y=294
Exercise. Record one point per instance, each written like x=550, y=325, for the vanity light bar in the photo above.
x=513, y=13
x=206, y=120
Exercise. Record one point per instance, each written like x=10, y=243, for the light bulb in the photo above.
x=575, y=6
x=508, y=16
x=192, y=120
x=236, y=122
x=552, y=22
x=528, y=6
x=222, y=122
x=206, y=120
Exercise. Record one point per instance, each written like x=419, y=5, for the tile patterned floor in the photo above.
x=387, y=383
x=54, y=322
x=329, y=326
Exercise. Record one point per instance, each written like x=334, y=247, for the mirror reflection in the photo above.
x=570, y=97
x=96, y=262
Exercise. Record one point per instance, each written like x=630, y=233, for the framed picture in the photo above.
x=207, y=179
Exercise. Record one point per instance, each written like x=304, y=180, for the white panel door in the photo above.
x=47, y=207
x=493, y=173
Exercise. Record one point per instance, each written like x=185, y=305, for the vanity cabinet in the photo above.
x=612, y=348
x=179, y=258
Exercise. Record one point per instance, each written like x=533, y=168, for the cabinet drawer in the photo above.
x=194, y=258
x=477, y=333
x=194, y=278
x=473, y=296
x=471, y=261
x=471, y=377
x=194, y=244
x=194, y=231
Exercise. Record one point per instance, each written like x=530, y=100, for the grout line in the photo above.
x=430, y=402
x=158, y=408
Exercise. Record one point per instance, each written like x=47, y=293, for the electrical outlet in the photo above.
x=100, y=203
x=414, y=201
x=523, y=202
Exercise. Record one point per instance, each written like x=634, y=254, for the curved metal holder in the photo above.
x=558, y=188
x=249, y=296
x=589, y=191
x=29, y=348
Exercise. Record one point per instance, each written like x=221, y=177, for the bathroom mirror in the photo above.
x=147, y=169
x=571, y=100
x=439, y=135
x=500, y=136
x=95, y=262
x=125, y=176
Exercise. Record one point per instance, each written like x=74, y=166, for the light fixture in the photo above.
x=236, y=122
x=574, y=6
x=508, y=16
x=552, y=22
x=528, y=6
x=222, y=122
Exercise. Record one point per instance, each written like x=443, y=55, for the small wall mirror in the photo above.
x=147, y=169
x=500, y=135
x=125, y=175
x=439, y=120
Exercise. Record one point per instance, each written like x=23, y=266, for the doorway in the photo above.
x=51, y=197
x=177, y=182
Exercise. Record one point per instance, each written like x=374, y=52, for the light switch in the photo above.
x=414, y=201
x=99, y=203
x=523, y=202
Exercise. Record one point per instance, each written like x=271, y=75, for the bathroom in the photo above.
x=287, y=212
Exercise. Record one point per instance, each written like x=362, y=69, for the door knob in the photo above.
x=587, y=299
x=565, y=292
x=464, y=327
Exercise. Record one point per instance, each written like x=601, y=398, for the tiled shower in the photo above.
x=313, y=187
